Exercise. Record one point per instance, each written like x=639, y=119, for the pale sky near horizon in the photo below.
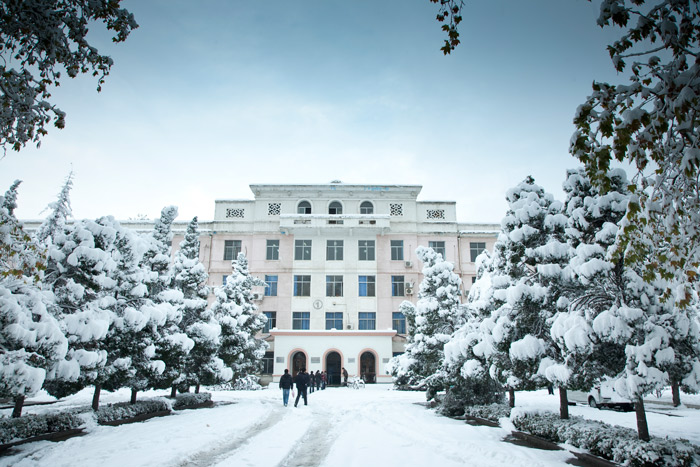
x=208, y=97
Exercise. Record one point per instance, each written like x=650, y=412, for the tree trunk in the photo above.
x=96, y=398
x=19, y=403
x=133, y=396
x=676, y=393
x=642, y=426
x=196, y=389
x=563, y=404
x=173, y=392
x=511, y=398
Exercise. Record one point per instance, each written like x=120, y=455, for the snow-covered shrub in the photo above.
x=615, y=443
x=191, y=399
x=125, y=410
x=247, y=383
x=492, y=412
x=15, y=429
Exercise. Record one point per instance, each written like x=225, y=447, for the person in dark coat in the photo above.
x=345, y=377
x=302, y=382
x=286, y=384
x=317, y=377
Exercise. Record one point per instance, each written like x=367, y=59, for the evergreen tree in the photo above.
x=438, y=313
x=465, y=370
x=164, y=346
x=202, y=365
x=31, y=341
x=235, y=311
x=79, y=273
x=60, y=210
x=514, y=339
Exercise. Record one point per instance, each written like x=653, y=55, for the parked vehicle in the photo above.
x=603, y=395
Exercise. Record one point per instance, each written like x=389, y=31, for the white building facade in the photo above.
x=338, y=260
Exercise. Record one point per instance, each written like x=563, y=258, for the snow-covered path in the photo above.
x=339, y=427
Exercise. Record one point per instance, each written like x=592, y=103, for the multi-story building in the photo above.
x=338, y=260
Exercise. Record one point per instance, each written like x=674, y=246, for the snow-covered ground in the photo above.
x=339, y=427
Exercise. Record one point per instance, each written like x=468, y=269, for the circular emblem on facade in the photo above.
x=318, y=304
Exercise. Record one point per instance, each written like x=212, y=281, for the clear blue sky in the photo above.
x=208, y=97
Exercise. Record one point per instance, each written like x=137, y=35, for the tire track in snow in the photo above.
x=212, y=456
x=315, y=444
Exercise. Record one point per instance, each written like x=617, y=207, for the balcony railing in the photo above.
x=301, y=221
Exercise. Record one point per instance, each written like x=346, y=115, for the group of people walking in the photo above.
x=304, y=381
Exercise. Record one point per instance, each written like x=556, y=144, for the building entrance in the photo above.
x=333, y=368
x=298, y=362
x=368, y=367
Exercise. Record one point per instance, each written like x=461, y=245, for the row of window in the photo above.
x=334, y=320
x=335, y=208
x=334, y=249
x=367, y=286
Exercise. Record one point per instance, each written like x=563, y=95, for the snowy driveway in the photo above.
x=340, y=427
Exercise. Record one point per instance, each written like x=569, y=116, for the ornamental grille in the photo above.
x=273, y=209
x=435, y=213
x=396, y=209
x=235, y=213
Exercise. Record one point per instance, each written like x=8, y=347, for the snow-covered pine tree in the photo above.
x=591, y=227
x=465, y=373
x=439, y=313
x=202, y=365
x=59, y=211
x=170, y=346
x=79, y=273
x=514, y=338
x=31, y=341
x=235, y=311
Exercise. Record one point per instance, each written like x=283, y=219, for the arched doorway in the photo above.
x=298, y=362
x=368, y=367
x=333, y=366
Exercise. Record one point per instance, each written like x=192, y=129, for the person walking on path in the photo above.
x=324, y=380
x=345, y=377
x=311, y=381
x=286, y=384
x=317, y=377
x=302, y=382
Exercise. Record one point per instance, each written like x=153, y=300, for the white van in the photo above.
x=602, y=395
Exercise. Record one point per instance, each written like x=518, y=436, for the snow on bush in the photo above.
x=125, y=410
x=191, y=399
x=247, y=383
x=492, y=412
x=615, y=443
x=16, y=429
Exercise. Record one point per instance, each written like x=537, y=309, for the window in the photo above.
x=473, y=279
x=302, y=286
x=367, y=321
x=334, y=321
x=438, y=247
x=367, y=286
x=334, y=250
x=274, y=209
x=270, y=286
x=475, y=248
x=273, y=250
x=223, y=279
x=397, y=286
x=271, y=321
x=398, y=322
x=300, y=320
x=396, y=209
x=366, y=250
x=304, y=207
x=397, y=250
x=334, y=286
x=302, y=250
x=335, y=208
x=231, y=249
x=268, y=362
x=366, y=207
